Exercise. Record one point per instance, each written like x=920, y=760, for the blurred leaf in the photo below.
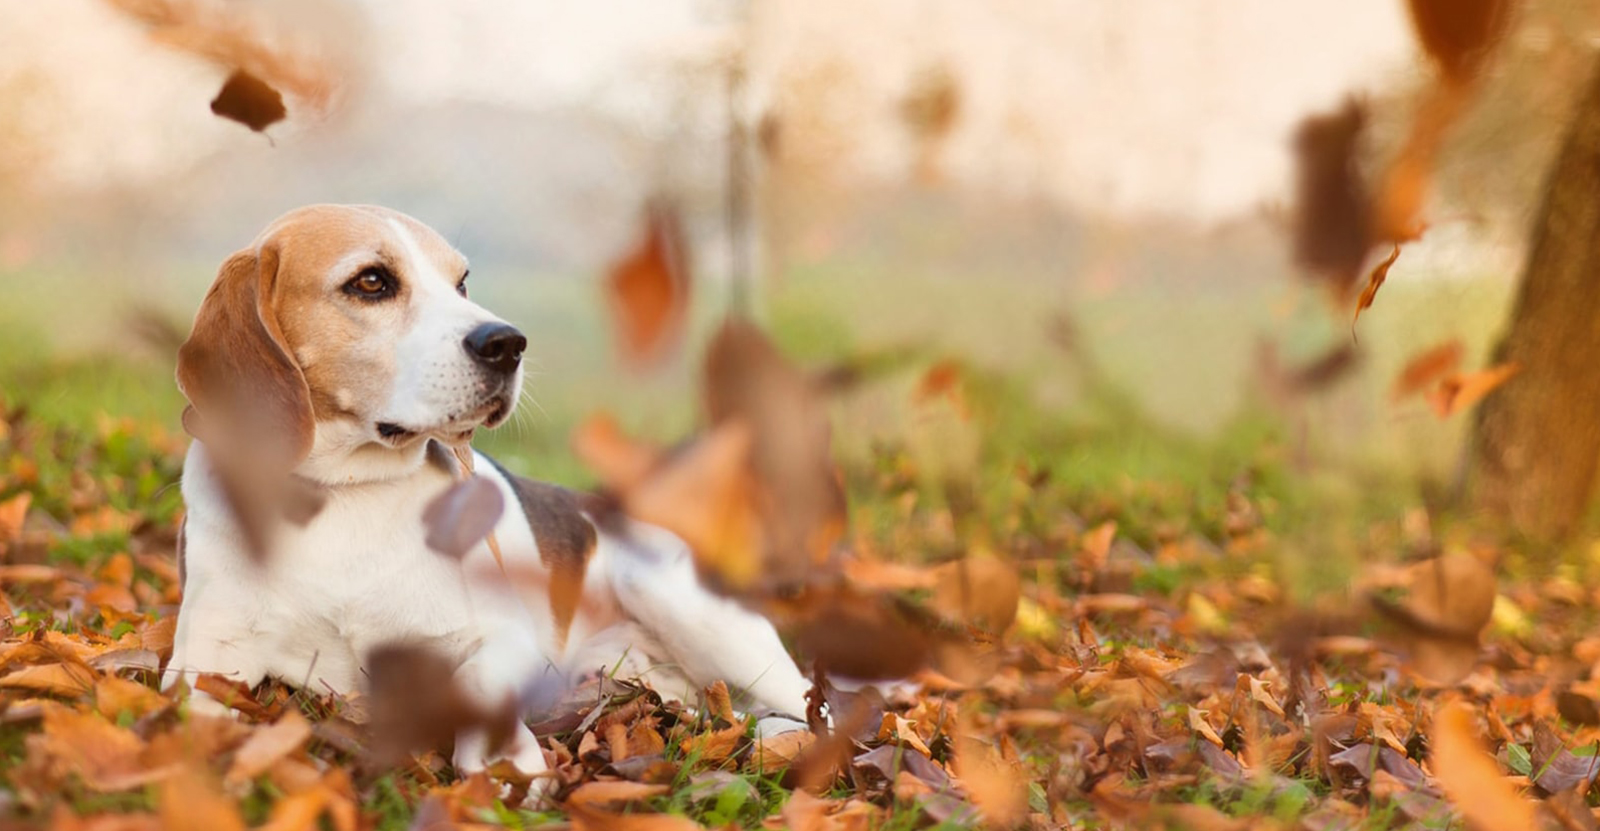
x=1469, y=776
x=1332, y=224
x=648, y=289
x=462, y=516
x=1459, y=34
x=250, y=101
x=1426, y=367
x=1375, y=278
x=1459, y=391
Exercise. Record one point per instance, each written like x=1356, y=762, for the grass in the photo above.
x=1155, y=431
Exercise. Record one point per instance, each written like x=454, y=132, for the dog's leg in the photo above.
x=209, y=639
x=710, y=638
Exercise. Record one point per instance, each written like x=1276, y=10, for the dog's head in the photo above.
x=346, y=330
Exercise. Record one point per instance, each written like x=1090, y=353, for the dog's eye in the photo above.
x=371, y=284
x=461, y=287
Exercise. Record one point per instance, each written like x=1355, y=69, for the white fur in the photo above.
x=359, y=574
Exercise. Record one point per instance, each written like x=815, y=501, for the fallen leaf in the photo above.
x=266, y=746
x=67, y=680
x=977, y=591
x=602, y=793
x=191, y=802
x=1469, y=775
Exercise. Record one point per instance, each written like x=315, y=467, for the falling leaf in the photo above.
x=1375, y=279
x=250, y=101
x=648, y=289
x=944, y=380
x=1469, y=775
x=229, y=37
x=462, y=516
x=977, y=591
x=800, y=500
x=1459, y=34
x=1332, y=226
x=1426, y=367
x=1458, y=392
x=415, y=704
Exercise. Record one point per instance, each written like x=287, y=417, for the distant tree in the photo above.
x=1536, y=446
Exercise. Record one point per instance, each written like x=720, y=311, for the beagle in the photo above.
x=342, y=347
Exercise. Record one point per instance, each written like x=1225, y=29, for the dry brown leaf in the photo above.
x=799, y=497
x=995, y=786
x=648, y=289
x=114, y=696
x=190, y=801
x=1459, y=391
x=1459, y=34
x=601, y=793
x=774, y=754
x=67, y=680
x=1469, y=775
x=267, y=745
x=229, y=37
x=585, y=818
x=250, y=101
x=1426, y=367
x=977, y=591
x=1375, y=278
x=13, y=512
x=720, y=704
x=1332, y=224
x=300, y=811
x=104, y=756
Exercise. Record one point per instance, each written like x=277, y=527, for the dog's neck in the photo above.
x=344, y=454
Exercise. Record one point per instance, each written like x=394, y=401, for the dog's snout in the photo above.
x=497, y=346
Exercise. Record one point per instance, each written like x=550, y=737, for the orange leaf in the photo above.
x=12, y=512
x=1469, y=775
x=648, y=289
x=106, y=757
x=267, y=745
x=604, y=792
x=191, y=802
x=1459, y=392
x=114, y=696
x=54, y=679
x=1375, y=279
x=1425, y=367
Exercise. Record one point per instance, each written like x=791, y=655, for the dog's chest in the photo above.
x=360, y=570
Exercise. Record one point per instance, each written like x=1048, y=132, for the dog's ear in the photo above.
x=243, y=384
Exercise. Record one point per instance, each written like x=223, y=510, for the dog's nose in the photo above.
x=497, y=346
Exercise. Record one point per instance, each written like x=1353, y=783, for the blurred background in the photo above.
x=1085, y=203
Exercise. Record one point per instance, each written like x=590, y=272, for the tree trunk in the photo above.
x=1537, y=442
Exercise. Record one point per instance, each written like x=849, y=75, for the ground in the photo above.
x=1210, y=632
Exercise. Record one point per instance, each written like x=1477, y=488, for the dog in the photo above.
x=341, y=344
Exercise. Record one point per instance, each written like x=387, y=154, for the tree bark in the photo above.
x=1536, y=445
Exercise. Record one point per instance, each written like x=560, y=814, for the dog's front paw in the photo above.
x=522, y=751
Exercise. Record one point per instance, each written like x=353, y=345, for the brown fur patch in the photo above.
x=566, y=538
